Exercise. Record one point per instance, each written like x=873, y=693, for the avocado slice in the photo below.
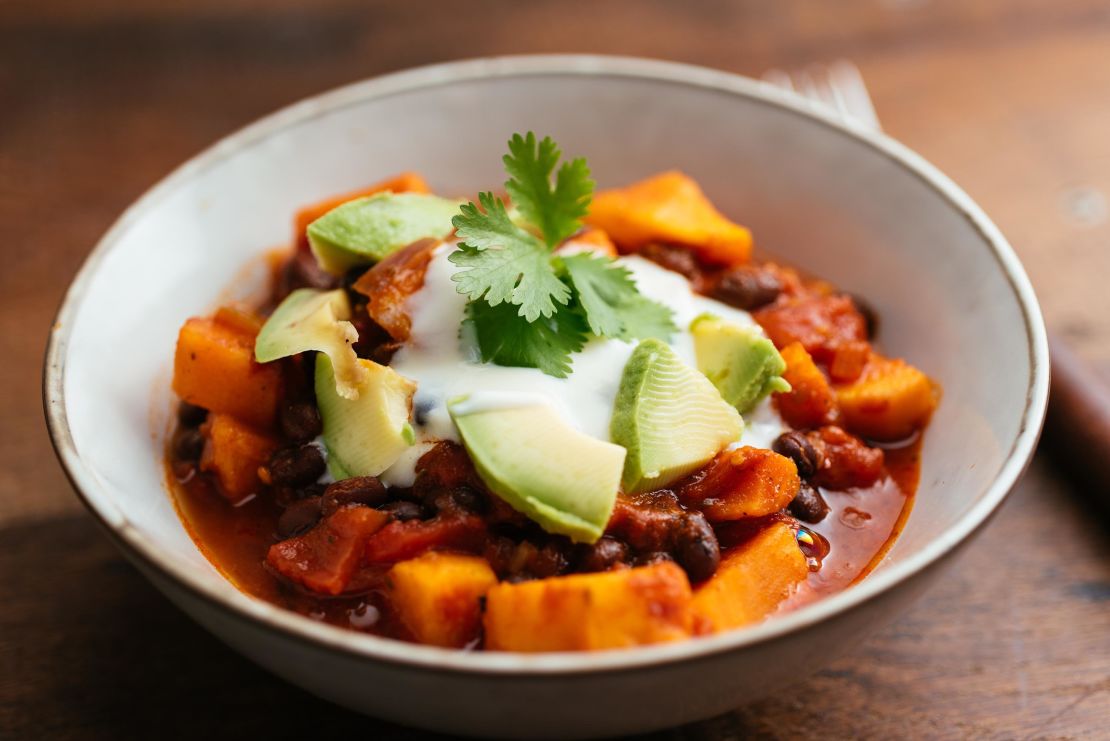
x=742, y=364
x=562, y=479
x=365, y=230
x=366, y=435
x=314, y=320
x=669, y=417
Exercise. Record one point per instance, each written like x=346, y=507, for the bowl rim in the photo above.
x=244, y=608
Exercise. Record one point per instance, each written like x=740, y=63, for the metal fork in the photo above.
x=838, y=86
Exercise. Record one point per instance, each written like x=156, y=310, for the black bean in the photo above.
x=403, y=511
x=696, y=548
x=351, y=276
x=653, y=557
x=461, y=499
x=467, y=499
x=809, y=505
x=410, y=494
x=550, y=560
x=184, y=471
x=797, y=447
x=421, y=407
x=190, y=415
x=366, y=490
x=603, y=555
x=746, y=287
x=295, y=467
x=438, y=500
x=383, y=353
x=312, y=490
x=679, y=259
x=300, y=421
x=299, y=517
x=188, y=444
x=499, y=552
x=303, y=271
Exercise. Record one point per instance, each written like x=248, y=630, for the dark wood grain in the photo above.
x=99, y=99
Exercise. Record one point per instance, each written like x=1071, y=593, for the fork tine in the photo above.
x=847, y=79
x=832, y=94
x=808, y=86
x=778, y=78
x=838, y=86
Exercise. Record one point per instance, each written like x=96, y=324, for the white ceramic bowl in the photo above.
x=846, y=204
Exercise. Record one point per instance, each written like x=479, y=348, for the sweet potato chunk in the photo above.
x=437, y=596
x=324, y=559
x=389, y=284
x=741, y=483
x=669, y=208
x=612, y=609
x=406, y=182
x=214, y=368
x=233, y=452
x=810, y=401
x=823, y=324
x=752, y=580
x=891, y=400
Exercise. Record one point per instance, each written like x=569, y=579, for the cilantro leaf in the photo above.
x=503, y=262
x=613, y=306
x=506, y=338
x=528, y=306
x=645, y=318
x=557, y=212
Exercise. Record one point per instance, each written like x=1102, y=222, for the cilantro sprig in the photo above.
x=503, y=262
x=528, y=306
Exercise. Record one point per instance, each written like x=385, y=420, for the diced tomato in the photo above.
x=446, y=466
x=649, y=521
x=389, y=284
x=821, y=323
x=323, y=559
x=848, y=462
x=399, y=541
x=849, y=360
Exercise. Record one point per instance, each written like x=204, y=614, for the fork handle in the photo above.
x=1077, y=424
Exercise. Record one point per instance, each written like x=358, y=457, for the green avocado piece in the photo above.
x=366, y=435
x=365, y=230
x=742, y=364
x=669, y=417
x=562, y=479
x=314, y=320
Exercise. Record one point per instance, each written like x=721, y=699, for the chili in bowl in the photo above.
x=556, y=422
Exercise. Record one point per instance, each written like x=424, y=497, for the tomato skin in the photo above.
x=822, y=324
x=400, y=541
x=848, y=462
x=324, y=559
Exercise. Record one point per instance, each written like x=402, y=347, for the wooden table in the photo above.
x=1010, y=97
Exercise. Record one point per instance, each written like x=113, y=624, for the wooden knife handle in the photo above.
x=1077, y=424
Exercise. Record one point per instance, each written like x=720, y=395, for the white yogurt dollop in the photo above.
x=444, y=366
